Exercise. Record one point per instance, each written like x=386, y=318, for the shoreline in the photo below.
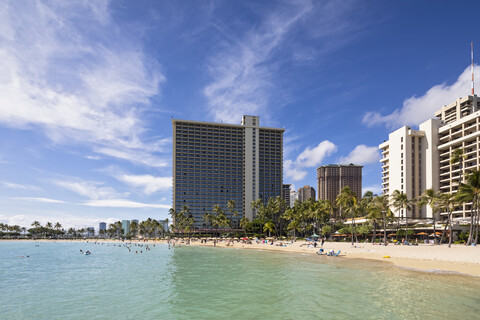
x=438, y=259
x=458, y=259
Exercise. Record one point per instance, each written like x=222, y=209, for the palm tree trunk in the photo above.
x=384, y=230
x=434, y=230
x=406, y=226
x=445, y=229
x=451, y=231
x=472, y=220
x=353, y=227
x=374, y=231
x=476, y=223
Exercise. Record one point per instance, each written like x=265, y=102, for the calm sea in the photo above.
x=57, y=282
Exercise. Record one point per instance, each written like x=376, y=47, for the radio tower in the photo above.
x=473, y=91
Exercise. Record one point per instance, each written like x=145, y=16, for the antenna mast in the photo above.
x=473, y=91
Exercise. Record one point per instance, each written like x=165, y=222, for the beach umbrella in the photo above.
x=422, y=234
x=315, y=235
x=392, y=234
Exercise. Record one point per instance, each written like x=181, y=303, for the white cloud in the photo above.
x=89, y=189
x=415, y=110
x=67, y=69
x=242, y=73
x=310, y=157
x=94, y=157
x=137, y=157
x=122, y=203
x=34, y=199
x=292, y=171
x=362, y=155
x=148, y=183
x=313, y=157
x=19, y=186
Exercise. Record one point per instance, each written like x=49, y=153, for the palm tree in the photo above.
x=134, y=228
x=383, y=204
x=347, y=201
x=231, y=208
x=458, y=157
x=448, y=201
x=430, y=197
x=401, y=201
x=36, y=224
x=269, y=226
x=374, y=212
x=470, y=192
x=243, y=224
x=294, y=225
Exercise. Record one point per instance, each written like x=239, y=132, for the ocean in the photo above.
x=56, y=281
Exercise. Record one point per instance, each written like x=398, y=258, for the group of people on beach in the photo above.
x=128, y=245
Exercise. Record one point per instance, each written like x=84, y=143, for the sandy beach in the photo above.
x=435, y=258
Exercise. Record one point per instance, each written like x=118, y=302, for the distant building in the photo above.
x=90, y=232
x=333, y=178
x=286, y=194
x=164, y=224
x=293, y=197
x=134, y=220
x=306, y=193
x=126, y=227
x=102, y=226
x=217, y=162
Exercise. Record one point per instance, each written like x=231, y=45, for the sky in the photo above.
x=88, y=90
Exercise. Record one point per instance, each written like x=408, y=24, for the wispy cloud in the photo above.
x=138, y=157
x=241, y=71
x=122, y=203
x=415, y=110
x=89, y=189
x=362, y=155
x=34, y=199
x=17, y=186
x=67, y=69
x=148, y=183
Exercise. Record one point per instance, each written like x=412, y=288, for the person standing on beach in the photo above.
x=323, y=240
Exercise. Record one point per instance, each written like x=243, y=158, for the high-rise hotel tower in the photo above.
x=217, y=162
x=416, y=160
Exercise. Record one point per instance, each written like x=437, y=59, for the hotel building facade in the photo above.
x=286, y=194
x=217, y=162
x=416, y=160
x=331, y=179
x=305, y=193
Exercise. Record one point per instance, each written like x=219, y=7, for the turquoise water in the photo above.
x=57, y=282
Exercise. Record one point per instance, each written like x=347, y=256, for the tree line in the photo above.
x=324, y=218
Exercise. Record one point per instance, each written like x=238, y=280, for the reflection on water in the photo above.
x=214, y=283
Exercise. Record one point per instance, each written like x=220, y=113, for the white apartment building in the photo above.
x=293, y=197
x=416, y=160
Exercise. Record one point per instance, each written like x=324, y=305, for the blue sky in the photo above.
x=88, y=89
